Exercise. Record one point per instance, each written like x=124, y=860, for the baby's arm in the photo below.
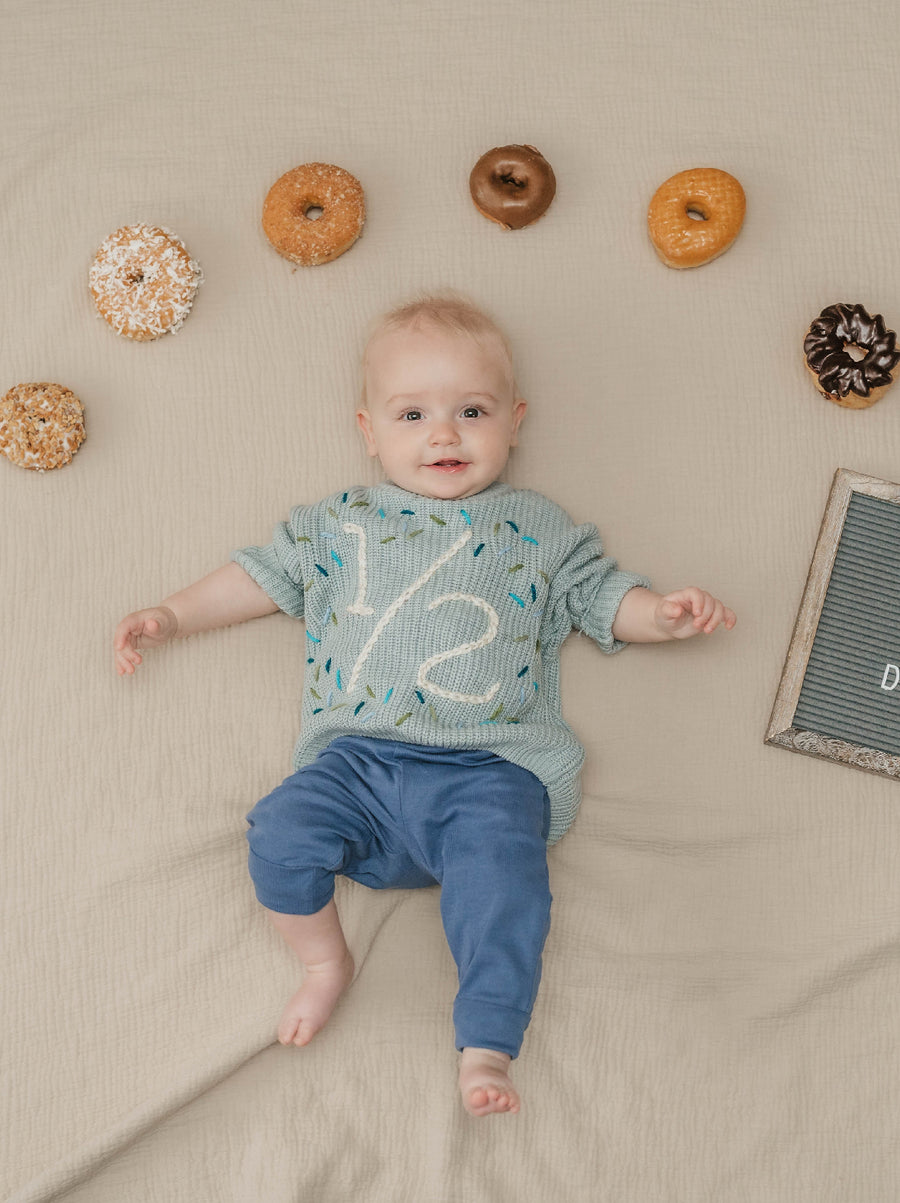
x=226, y=596
x=647, y=617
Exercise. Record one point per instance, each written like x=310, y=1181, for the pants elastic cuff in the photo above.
x=487, y=1025
x=290, y=891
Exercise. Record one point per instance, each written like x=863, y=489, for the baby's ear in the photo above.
x=519, y=407
x=364, y=422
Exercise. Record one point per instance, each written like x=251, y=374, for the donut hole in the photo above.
x=313, y=212
x=135, y=278
x=855, y=352
x=508, y=180
x=695, y=213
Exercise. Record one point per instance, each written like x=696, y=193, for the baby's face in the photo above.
x=441, y=411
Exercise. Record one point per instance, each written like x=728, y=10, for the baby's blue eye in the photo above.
x=412, y=413
x=472, y=409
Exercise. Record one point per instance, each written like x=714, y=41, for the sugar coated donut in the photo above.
x=512, y=185
x=143, y=281
x=41, y=425
x=303, y=236
x=854, y=381
x=695, y=216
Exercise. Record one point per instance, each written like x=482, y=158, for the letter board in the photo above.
x=839, y=695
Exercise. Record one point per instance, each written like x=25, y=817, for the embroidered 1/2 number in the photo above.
x=464, y=649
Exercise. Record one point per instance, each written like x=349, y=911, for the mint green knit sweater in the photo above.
x=440, y=622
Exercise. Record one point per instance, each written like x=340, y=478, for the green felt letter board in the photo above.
x=839, y=696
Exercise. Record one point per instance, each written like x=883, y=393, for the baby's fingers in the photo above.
x=721, y=616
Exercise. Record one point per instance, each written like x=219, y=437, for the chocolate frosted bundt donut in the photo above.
x=839, y=376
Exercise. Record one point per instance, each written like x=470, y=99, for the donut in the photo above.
x=143, y=281
x=855, y=383
x=695, y=216
x=512, y=185
x=300, y=235
x=41, y=425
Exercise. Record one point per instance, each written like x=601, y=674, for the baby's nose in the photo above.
x=444, y=432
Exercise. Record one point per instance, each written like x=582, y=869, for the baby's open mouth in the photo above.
x=449, y=464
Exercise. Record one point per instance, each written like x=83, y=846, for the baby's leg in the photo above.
x=318, y=941
x=495, y=903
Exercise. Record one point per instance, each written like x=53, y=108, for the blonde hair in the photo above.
x=448, y=311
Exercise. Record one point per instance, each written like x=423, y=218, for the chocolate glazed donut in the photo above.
x=848, y=381
x=512, y=185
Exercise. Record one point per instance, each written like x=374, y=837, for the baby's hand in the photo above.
x=687, y=612
x=144, y=628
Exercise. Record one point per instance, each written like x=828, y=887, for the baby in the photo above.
x=433, y=748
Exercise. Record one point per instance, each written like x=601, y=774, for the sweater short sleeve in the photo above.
x=588, y=588
x=276, y=567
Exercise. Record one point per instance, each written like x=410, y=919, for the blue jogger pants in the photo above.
x=399, y=815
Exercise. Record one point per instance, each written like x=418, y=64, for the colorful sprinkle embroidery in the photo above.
x=361, y=710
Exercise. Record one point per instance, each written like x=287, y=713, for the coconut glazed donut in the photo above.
x=143, y=281
x=512, y=185
x=855, y=383
x=309, y=240
x=717, y=202
x=41, y=425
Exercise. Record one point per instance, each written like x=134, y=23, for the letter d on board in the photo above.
x=888, y=669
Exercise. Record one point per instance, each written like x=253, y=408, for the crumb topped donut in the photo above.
x=512, y=185
x=695, y=216
x=314, y=213
x=41, y=425
x=143, y=281
x=853, y=381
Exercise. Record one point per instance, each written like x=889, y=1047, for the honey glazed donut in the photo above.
x=143, y=281
x=41, y=425
x=289, y=213
x=852, y=381
x=512, y=185
x=695, y=216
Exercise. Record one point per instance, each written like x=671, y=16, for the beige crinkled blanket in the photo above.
x=719, y=1017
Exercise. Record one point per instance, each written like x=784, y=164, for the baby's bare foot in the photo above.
x=310, y=1008
x=484, y=1082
